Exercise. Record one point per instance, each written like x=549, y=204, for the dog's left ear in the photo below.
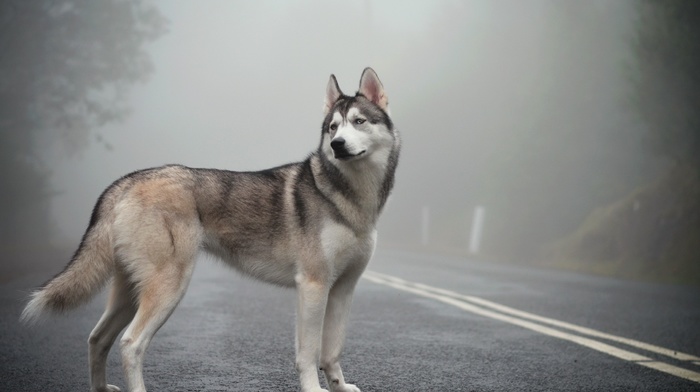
x=372, y=88
x=332, y=94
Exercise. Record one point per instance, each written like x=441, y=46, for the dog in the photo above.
x=309, y=225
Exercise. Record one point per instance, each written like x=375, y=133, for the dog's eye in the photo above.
x=334, y=127
x=359, y=121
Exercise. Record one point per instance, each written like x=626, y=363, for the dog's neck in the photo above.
x=359, y=189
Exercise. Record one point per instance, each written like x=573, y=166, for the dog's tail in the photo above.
x=89, y=270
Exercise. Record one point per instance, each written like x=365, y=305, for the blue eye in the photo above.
x=359, y=121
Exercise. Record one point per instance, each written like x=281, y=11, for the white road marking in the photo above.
x=583, y=330
x=469, y=303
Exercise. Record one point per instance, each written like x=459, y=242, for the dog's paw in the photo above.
x=108, y=388
x=319, y=389
x=346, y=388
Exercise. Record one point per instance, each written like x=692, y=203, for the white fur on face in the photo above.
x=360, y=139
x=356, y=140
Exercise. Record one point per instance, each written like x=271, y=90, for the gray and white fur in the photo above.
x=309, y=225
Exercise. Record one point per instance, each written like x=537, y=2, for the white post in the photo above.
x=425, y=226
x=477, y=228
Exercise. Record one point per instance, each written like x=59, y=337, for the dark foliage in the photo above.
x=667, y=81
x=65, y=67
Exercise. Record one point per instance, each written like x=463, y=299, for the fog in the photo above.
x=522, y=107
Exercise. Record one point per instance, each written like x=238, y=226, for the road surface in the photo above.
x=420, y=322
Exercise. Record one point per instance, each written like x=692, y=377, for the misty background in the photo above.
x=573, y=123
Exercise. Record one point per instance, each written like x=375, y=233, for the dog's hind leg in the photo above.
x=119, y=312
x=160, y=261
x=158, y=297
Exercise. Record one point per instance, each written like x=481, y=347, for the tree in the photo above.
x=667, y=78
x=65, y=68
x=654, y=231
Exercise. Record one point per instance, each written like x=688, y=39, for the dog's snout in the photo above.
x=338, y=143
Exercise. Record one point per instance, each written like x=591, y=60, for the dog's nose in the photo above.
x=338, y=143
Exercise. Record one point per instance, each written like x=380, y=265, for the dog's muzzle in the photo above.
x=338, y=146
x=339, y=150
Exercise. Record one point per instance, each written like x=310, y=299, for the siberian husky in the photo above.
x=309, y=225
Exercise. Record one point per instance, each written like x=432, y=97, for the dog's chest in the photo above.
x=343, y=247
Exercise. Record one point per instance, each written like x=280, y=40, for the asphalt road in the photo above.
x=471, y=326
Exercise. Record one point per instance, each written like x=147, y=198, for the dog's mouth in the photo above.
x=346, y=156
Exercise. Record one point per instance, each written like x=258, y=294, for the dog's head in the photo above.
x=357, y=127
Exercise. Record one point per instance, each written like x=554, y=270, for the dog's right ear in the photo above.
x=332, y=94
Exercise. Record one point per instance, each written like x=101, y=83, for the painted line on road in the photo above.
x=677, y=355
x=480, y=306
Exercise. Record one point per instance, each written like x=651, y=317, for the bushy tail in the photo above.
x=91, y=267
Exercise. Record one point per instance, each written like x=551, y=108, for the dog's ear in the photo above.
x=372, y=88
x=332, y=94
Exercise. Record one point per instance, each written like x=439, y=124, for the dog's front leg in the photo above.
x=337, y=314
x=312, y=297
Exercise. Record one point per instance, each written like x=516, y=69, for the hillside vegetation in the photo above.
x=652, y=234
